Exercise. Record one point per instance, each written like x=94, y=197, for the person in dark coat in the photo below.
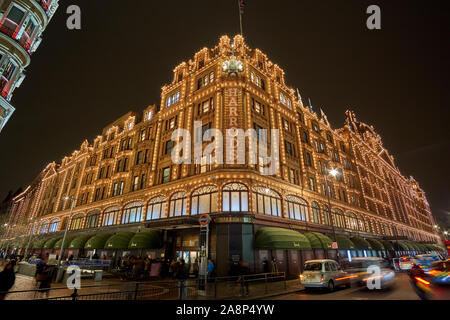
x=7, y=279
x=182, y=272
x=266, y=266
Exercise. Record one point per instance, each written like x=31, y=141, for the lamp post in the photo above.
x=31, y=236
x=333, y=173
x=58, y=266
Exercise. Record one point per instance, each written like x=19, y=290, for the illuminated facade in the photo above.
x=126, y=179
x=22, y=23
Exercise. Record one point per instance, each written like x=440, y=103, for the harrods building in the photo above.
x=125, y=181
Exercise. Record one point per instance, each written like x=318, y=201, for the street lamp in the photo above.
x=58, y=266
x=31, y=236
x=333, y=173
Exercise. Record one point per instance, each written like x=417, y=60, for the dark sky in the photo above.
x=79, y=81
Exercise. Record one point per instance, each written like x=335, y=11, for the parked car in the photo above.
x=358, y=270
x=323, y=274
x=403, y=263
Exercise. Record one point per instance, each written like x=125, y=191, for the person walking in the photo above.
x=196, y=268
x=274, y=267
x=243, y=271
x=211, y=268
x=265, y=265
x=7, y=279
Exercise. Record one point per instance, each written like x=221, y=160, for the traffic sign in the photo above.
x=334, y=245
x=204, y=219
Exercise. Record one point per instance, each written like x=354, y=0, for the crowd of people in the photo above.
x=134, y=268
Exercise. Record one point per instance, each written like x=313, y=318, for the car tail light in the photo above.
x=322, y=277
x=423, y=281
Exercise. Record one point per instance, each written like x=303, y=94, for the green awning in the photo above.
x=145, y=240
x=278, y=238
x=421, y=247
x=38, y=243
x=119, y=241
x=50, y=243
x=413, y=246
x=318, y=240
x=375, y=244
x=361, y=244
x=98, y=241
x=344, y=243
x=79, y=243
x=400, y=246
x=66, y=243
x=387, y=245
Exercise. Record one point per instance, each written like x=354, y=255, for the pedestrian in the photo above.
x=7, y=279
x=274, y=266
x=265, y=265
x=211, y=268
x=243, y=271
x=196, y=268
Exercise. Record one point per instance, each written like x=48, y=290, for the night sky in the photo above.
x=80, y=81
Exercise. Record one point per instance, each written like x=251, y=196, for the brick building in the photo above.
x=126, y=181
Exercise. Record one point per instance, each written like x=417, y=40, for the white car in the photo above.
x=323, y=274
x=403, y=264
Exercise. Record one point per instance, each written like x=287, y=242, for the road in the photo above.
x=402, y=290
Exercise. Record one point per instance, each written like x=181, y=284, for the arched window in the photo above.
x=54, y=226
x=266, y=201
x=326, y=215
x=92, y=220
x=352, y=222
x=44, y=227
x=156, y=208
x=361, y=224
x=178, y=204
x=111, y=216
x=235, y=197
x=204, y=200
x=77, y=222
x=315, y=212
x=297, y=208
x=132, y=212
x=338, y=219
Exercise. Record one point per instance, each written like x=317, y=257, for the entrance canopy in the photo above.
x=79, y=243
x=376, y=245
x=97, y=242
x=278, y=238
x=49, y=244
x=345, y=243
x=318, y=240
x=146, y=240
x=58, y=244
x=119, y=241
x=361, y=244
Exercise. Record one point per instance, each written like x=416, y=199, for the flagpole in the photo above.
x=240, y=16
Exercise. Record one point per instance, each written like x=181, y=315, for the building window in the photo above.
x=13, y=20
x=115, y=189
x=235, y=198
x=122, y=186
x=315, y=212
x=178, y=204
x=44, y=228
x=169, y=147
x=266, y=201
x=77, y=222
x=288, y=147
x=111, y=216
x=308, y=159
x=92, y=219
x=285, y=101
x=132, y=213
x=156, y=208
x=326, y=215
x=338, y=219
x=142, y=184
x=297, y=208
x=97, y=194
x=135, y=183
x=292, y=176
x=312, y=184
x=175, y=98
x=166, y=175
x=204, y=200
x=53, y=227
x=352, y=221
